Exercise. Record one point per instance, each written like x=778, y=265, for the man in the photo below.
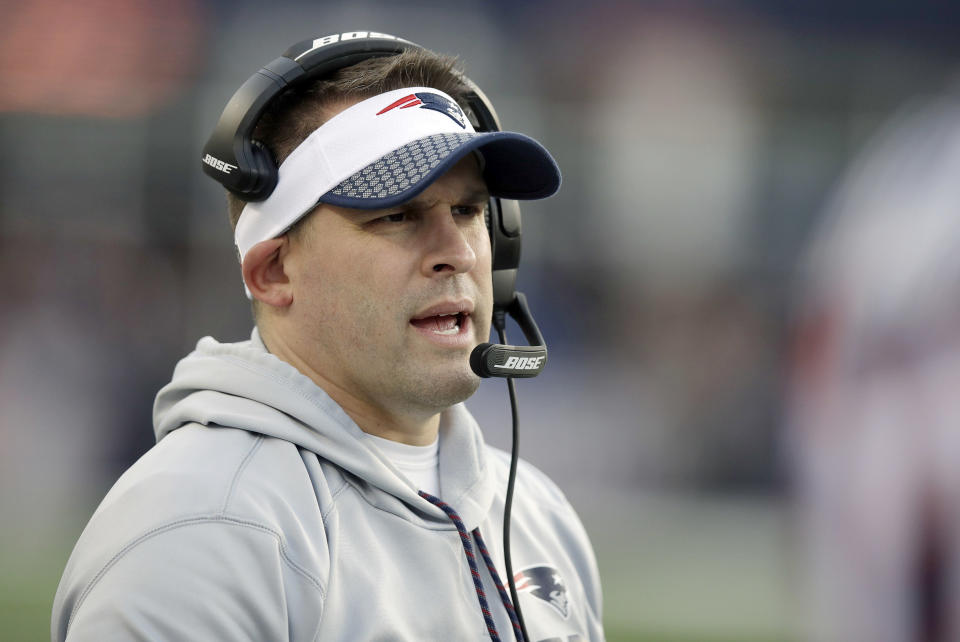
x=295, y=489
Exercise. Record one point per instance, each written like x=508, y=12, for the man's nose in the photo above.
x=448, y=247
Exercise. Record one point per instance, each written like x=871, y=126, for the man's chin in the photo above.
x=456, y=385
x=442, y=387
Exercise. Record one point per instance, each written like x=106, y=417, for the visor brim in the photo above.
x=515, y=167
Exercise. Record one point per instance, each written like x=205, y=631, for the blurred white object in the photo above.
x=874, y=424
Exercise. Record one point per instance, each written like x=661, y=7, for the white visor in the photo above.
x=385, y=150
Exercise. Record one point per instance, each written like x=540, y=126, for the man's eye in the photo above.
x=468, y=210
x=397, y=217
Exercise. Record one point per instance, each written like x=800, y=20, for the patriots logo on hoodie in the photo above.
x=546, y=583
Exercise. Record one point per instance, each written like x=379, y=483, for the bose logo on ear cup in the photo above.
x=216, y=163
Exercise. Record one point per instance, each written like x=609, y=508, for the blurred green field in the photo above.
x=27, y=584
x=685, y=568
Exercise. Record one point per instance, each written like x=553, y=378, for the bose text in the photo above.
x=216, y=163
x=522, y=363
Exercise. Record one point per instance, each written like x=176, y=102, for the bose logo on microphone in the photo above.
x=216, y=163
x=522, y=363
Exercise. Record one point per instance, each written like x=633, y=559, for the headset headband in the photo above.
x=241, y=164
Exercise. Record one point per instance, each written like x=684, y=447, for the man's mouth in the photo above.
x=447, y=324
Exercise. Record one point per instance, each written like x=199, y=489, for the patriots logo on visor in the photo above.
x=545, y=583
x=436, y=102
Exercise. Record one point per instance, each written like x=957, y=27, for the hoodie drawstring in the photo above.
x=504, y=596
x=475, y=570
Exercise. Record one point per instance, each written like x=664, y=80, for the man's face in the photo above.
x=388, y=304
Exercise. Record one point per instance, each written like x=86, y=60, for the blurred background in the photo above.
x=721, y=283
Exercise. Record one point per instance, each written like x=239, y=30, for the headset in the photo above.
x=245, y=167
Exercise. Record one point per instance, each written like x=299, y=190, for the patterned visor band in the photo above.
x=385, y=150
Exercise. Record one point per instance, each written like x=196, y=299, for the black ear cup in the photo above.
x=263, y=170
x=504, y=228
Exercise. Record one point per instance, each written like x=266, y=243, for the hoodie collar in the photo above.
x=241, y=385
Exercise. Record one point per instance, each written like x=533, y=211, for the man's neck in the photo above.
x=372, y=418
x=413, y=434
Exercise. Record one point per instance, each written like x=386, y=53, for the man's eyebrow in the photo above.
x=477, y=196
x=473, y=196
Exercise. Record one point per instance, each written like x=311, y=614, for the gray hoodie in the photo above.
x=265, y=513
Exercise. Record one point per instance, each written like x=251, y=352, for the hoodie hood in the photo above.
x=243, y=386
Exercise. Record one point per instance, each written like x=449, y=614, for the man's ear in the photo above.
x=264, y=274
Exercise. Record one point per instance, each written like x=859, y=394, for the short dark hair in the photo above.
x=294, y=115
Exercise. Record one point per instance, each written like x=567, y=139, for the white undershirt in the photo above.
x=421, y=464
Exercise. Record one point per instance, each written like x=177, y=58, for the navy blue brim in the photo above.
x=515, y=166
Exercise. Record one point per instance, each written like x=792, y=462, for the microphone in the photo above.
x=499, y=360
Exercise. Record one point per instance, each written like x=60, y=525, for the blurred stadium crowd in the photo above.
x=748, y=284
